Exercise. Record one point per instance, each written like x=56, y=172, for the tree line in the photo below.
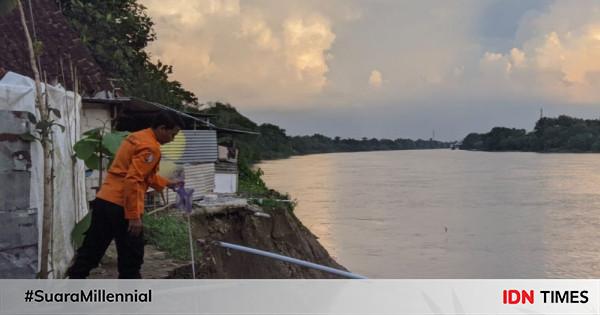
x=117, y=33
x=561, y=134
x=273, y=142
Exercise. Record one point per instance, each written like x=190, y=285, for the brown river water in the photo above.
x=450, y=214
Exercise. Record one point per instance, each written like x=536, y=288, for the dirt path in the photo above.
x=156, y=264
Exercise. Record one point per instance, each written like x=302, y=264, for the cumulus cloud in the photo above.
x=191, y=13
x=256, y=28
x=375, y=79
x=559, y=55
x=309, y=54
x=306, y=42
x=517, y=57
x=247, y=53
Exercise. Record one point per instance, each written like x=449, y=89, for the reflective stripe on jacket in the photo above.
x=133, y=170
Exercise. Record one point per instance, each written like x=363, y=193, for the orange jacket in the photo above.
x=134, y=168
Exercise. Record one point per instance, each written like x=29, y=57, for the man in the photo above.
x=119, y=205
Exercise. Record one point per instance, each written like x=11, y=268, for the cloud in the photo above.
x=256, y=28
x=248, y=53
x=191, y=12
x=517, y=57
x=375, y=79
x=312, y=56
x=306, y=42
x=558, y=58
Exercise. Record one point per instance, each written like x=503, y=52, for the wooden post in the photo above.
x=43, y=108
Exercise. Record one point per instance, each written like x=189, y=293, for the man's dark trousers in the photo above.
x=108, y=223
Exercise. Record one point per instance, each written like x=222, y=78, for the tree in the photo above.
x=43, y=127
x=117, y=32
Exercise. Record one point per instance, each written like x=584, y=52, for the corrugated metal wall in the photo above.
x=192, y=146
x=18, y=222
x=200, y=177
x=197, y=151
x=226, y=168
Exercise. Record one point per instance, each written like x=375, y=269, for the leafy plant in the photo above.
x=251, y=182
x=96, y=145
x=79, y=229
x=43, y=127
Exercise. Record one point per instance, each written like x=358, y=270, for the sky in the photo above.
x=386, y=69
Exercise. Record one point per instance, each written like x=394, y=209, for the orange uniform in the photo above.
x=134, y=168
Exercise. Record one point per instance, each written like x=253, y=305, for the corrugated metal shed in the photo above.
x=196, y=151
x=192, y=147
x=200, y=177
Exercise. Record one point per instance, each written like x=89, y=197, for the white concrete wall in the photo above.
x=226, y=183
x=94, y=116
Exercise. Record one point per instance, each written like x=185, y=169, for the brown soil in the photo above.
x=283, y=234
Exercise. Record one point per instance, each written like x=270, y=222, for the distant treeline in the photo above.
x=273, y=143
x=562, y=134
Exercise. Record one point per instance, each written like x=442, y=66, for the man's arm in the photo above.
x=158, y=182
x=140, y=168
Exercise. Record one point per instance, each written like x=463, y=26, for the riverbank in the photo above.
x=281, y=232
x=276, y=230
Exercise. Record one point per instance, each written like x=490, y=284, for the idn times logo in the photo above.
x=514, y=296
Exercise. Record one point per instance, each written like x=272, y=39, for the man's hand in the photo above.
x=174, y=184
x=135, y=227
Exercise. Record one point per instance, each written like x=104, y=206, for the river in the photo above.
x=450, y=214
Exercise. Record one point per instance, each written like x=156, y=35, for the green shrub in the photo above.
x=168, y=233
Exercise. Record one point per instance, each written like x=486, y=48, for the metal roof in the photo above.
x=140, y=105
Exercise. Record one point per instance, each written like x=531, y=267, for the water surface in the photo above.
x=450, y=214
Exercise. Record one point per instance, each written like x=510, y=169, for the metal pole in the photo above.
x=191, y=247
x=288, y=259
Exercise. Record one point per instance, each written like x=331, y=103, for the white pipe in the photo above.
x=288, y=259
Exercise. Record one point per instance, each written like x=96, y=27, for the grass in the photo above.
x=251, y=182
x=253, y=186
x=168, y=233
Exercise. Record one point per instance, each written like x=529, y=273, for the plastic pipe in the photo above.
x=288, y=259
